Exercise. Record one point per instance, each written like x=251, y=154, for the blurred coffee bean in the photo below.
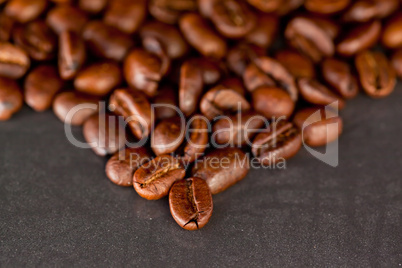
x=169, y=11
x=66, y=18
x=288, y=6
x=191, y=87
x=330, y=27
x=272, y=102
x=254, y=78
x=93, y=6
x=196, y=140
x=72, y=54
x=168, y=135
x=364, y=11
x=234, y=83
x=165, y=102
x=266, y=5
x=392, y=34
x=326, y=6
x=316, y=93
x=297, y=64
x=125, y=15
x=6, y=27
x=211, y=70
x=25, y=10
x=11, y=99
x=265, y=31
x=241, y=55
x=397, y=62
x=14, y=61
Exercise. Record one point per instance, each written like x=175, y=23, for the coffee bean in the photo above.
x=330, y=27
x=168, y=135
x=326, y=6
x=266, y=6
x=72, y=54
x=190, y=203
x=11, y=99
x=272, y=102
x=41, y=85
x=392, y=34
x=377, y=76
x=14, y=61
x=234, y=83
x=281, y=140
x=316, y=93
x=165, y=102
x=121, y=166
x=211, y=70
x=126, y=15
x=154, y=179
x=6, y=27
x=222, y=168
x=98, y=79
x=397, y=62
x=265, y=31
x=93, y=6
x=288, y=6
x=240, y=56
x=297, y=64
x=364, y=11
x=104, y=134
x=196, y=140
x=170, y=11
x=319, y=126
x=254, y=78
x=25, y=10
x=191, y=87
x=60, y=19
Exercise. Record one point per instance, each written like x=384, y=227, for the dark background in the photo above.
x=58, y=208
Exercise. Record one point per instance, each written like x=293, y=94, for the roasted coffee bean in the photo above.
x=326, y=6
x=6, y=27
x=93, y=6
x=154, y=179
x=364, y=11
x=200, y=35
x=126, y=15
x=320, y=126
x=72, y=54
x=221, y=100
x=196, y=141
x=121, y=166
x=392, y=34
x=272, y=102
x=338, y=75
x=83, y=106
x=359, y=38
x=240, y=56
x=25, y=10
x=266, y=5
x=41, y=85
x=66, y=18
x=37, y=39
x=316, y=93
x=237, y=130
x=168, y=135
x=14, y=61
x=288, y=6
x=264, y=33
x=281, y=140
x=169, y=11
x=377, y=76
x=233, y=19
x=309, y=38
x=191, y=87
x=222, y=168
x=106, y=41
x=331, y=27
x=165, y=102
x=104, y=134
x=190, y=203
x=11, y=99
x=211, y=70
x=397, y=62
x=234, y=83
x=254, y=78
x=297, y=64
x=135, y=108
x=99, y=78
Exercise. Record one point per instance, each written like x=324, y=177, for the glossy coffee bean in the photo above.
x=72, y=54
x=200, y=35
x=266, y=5
x=330, y=26
x=254, y=78
x=106, y=41
x=316, y=93
x=125, y=15
x=297, y=64
x=392, y=34
x=104, y=134
x=14, y=61
x=134, y=106
x=338, y=75
x=11, y=99
x=171, y=10
x=319, y=126
x=121, y=166
x=60, y=19
x=154, y=179
x=326, y=6
x=40, y=87
x=67, y=101
x=168, y=135
x=272, y=102
x=99, y=78
x=6, y=27
x=221, y=100
x=222, y=168
x=93, y=6
x=396, y=61
x=377, y=76
x=37, y=39
x=359, y=38
x=25, y=10
x=264, y=33
x=241, y=55
x=364, y=11
x=165, y=102
x=191, y=87
x=196, y=140
x=190, y=202
x=281, y=140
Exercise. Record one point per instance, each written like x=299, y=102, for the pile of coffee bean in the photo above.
x=229, y=64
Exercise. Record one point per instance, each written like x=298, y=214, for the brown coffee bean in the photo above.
x=72, y=54
x=190, y=203
x=359, y=38
x=234, y=83
x=167, y=99
x=191, y=87
x=196, y=140
x=60, y=19
x=135, y=108
x=37, y=39
x=200, y=35
x=265, y=31
x=41, y=85
x=272, y=102
x=222, y=168
x=288, y=6
x=14, y=61
x=154, y=179
x=99, y=78
x=169, y=11
x=221, y=100
x=331, y=27
x=266, y=5
x=377, y=76
x=316, y=93
x=319, y=126
x=254, y=78
x=25, y=10
x=326, y=6
x=364, y=11
x=106, y=41
x=397, y=62
x=104, y=134
x=237, y=130
x=121, y=166
x=6, y=27
x=125, y=15
x=309, y=38
x=11, y=99
x=168, y=135
x=211, y=70
x=93, y=6
x=297, y=64
x=392, y=34
x=240, y=56
x=67, y=101
x=338, y=75
x=281, y=140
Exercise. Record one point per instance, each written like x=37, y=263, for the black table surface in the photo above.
x=58, y=208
